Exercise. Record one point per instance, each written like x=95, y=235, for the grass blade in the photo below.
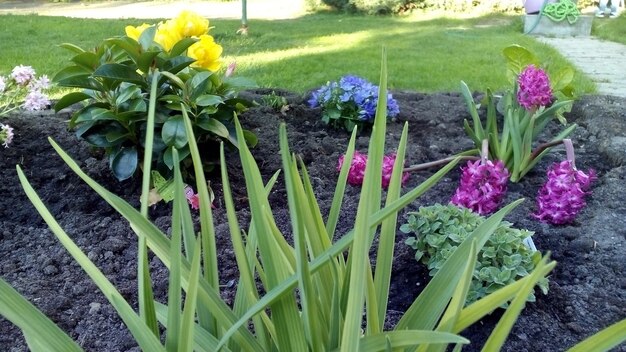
x=406, y=339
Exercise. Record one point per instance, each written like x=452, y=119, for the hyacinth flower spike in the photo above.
x=359, y=162
x=562, y=197
x=483, y=184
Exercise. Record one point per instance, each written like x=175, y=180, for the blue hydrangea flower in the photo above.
x=350, y=101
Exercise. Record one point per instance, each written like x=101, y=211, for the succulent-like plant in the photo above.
x=438, y=230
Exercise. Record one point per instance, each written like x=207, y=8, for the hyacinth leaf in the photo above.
x=428, y=307
x=478, y=130
x=407, y=339
x=37, y=328
x=546, y=116
x=492, y=126
x=140, y=331
x=503, y=328
x=174, y=294
x=160, y=245
x=604, y=340
x=477, y=310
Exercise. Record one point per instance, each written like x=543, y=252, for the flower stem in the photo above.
x=424, y=166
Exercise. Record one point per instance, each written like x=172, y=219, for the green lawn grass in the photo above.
x=425, y=54
x=613, y=29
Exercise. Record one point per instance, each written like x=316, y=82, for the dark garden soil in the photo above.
x=587, y=288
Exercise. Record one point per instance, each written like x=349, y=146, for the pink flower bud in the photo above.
x=230, y=69
x=357, y=168
x=192, y=198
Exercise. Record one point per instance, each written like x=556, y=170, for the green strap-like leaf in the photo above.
x=33, y=323
x=407, y=338
x=603, y=340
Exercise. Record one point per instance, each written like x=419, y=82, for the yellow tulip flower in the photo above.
x=190, y=24
x=206, y=52
x=135, y=32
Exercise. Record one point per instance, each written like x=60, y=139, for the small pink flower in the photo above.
x=562, y=197
x=357, y=168
x=482, y=186
x=36, y=100
x=230, y=69
x=388, y=161
x=534, y=88
x=6, y=135
x=22, y=75
x=192, y=198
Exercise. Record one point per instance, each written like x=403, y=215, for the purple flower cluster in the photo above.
x=534, y=88
x=482, y=186
x=23, y=83
x=563, y=195
x=22, y=75
x=359, y=162
x=354, y=97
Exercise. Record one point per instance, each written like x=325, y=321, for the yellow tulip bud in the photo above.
x=167, y=35
x=206, y=52
x=135, y=32
x=190, y=24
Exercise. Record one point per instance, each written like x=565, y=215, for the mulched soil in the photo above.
x=587, y=288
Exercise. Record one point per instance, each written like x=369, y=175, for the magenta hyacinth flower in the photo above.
x=388, y=161
x=563, y=195
x=359, y=162
x=482, y=186
x=357, y=168
x=534, y=88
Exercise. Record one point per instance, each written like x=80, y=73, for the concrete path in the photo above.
x=603, y=61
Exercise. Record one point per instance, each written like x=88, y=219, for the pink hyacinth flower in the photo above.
x=357, y=168
x=482, y=186
x=534, y=88
x=388, y=161
x=562, y=197
x=192, y=198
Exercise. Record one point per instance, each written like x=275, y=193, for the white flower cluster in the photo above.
x=23, y=83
